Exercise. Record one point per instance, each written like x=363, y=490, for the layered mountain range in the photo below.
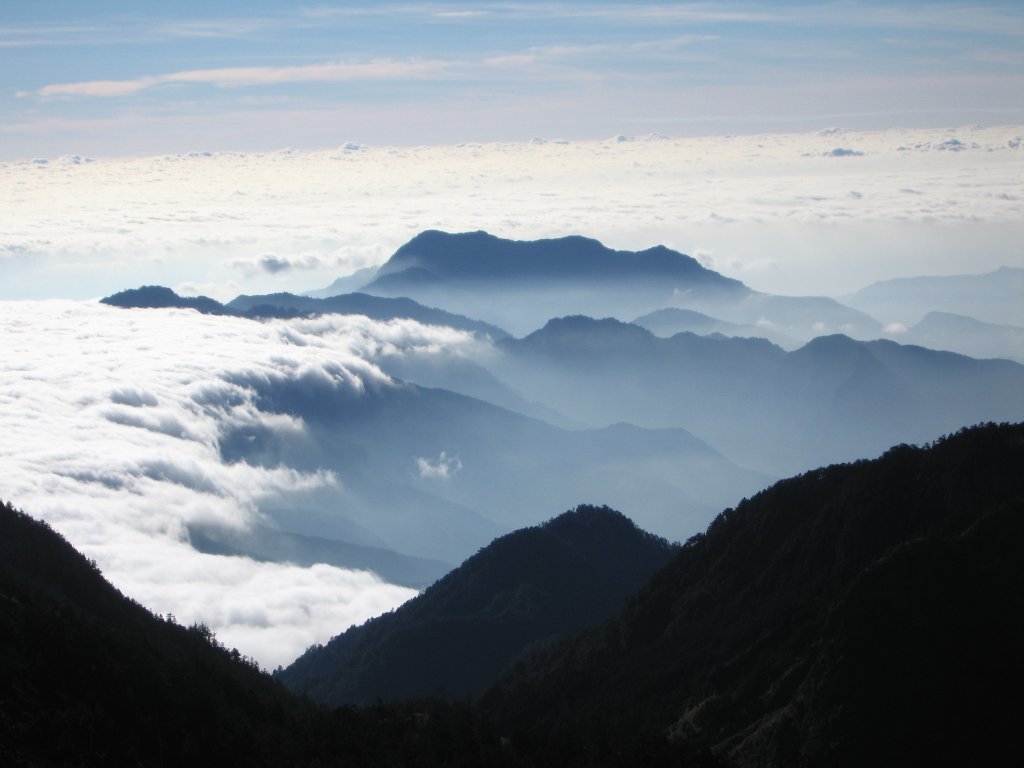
x=669, y=418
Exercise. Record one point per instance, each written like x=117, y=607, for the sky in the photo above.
x=246, y=147
x=114, y=78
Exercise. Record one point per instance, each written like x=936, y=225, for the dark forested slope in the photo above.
x=90, y=677
x=456, y=638
x=870, y=613
x=861, y=614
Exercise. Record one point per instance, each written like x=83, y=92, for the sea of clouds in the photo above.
x=111, y=420
x=825, y=212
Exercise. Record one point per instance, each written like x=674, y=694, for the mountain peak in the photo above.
x=456, y=637
x=159, y=296
x=480, y=256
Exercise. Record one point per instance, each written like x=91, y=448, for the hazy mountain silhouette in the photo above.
x=958, y=333
x=860, y=614
x=477, y=257
x=994, y=297
x=349, y=284
x=263, y=543
x=456, y=637
x=437, y=475
x=672, y=320
x=832, y=400
x=374, y=307
x=521, y=284
x=288, y=305
x=157, y=296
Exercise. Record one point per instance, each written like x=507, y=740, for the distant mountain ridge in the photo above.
x=437, y=475
x=263, y=543
x=288, y=305
x=159, y=296
x=672, y=320
x=374, y=307
x=833, y=399
x=519, y=285
x=966, y=335
x=993, y=297
x=455, y=638
x=482, y=257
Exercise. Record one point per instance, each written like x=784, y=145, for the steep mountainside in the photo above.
x=870, y=613
x=862, y=614
x=834, y=399
x=456, y=637
x=89, y=677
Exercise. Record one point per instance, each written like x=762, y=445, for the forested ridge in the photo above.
x=522, y=590
x=865, y=613
x=858, y=614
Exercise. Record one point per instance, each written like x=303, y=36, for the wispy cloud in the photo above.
x=226, y=77
x=53, y=34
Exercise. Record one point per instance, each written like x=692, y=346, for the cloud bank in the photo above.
x=782, y=212
x=111, y=420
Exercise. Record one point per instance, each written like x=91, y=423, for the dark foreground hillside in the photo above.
x=455, y=638
x=861, y=614
x=90, y=678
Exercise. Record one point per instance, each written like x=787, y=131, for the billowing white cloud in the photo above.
x=441, y=469
x=771, y=208
x=111, y=420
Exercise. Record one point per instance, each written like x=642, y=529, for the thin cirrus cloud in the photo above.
x=112, y=420
x=226, y=77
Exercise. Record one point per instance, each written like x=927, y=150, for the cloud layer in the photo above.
x=783, y=212
x=111, y=420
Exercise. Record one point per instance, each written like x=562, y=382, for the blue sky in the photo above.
x=107, y=78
